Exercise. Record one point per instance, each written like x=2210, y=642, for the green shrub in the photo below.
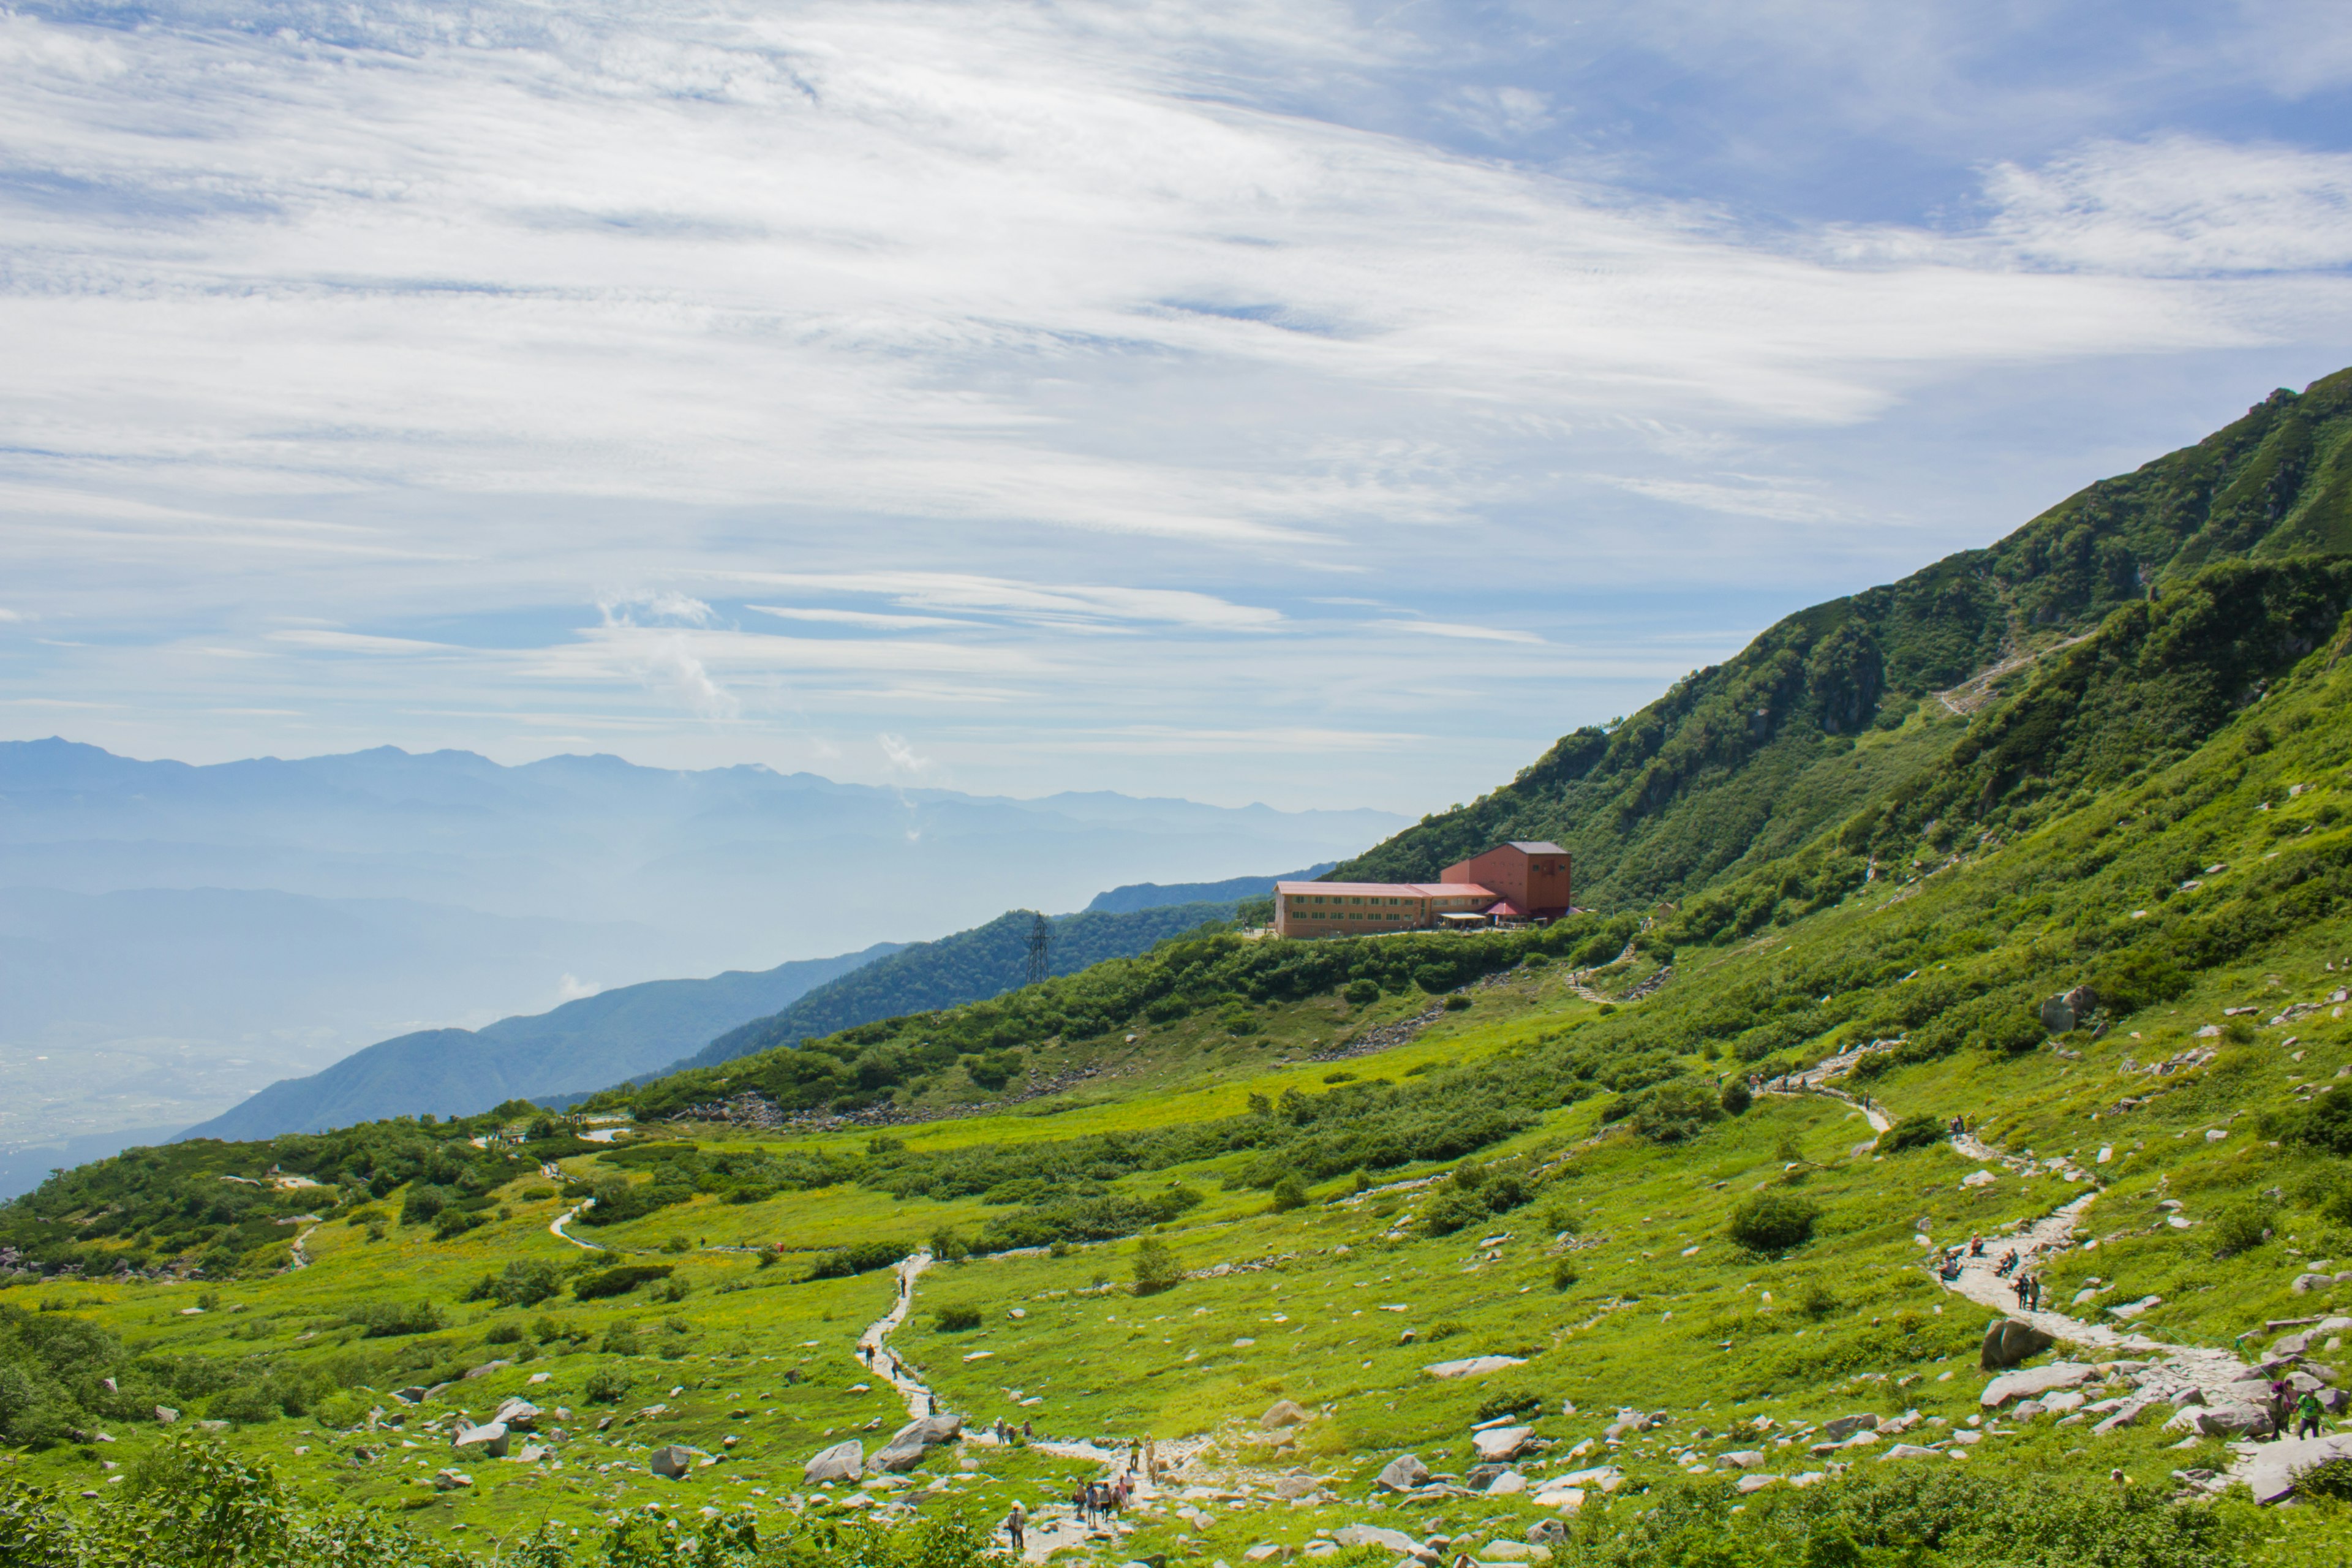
x=1737, y=1097
x=1447, y=1330
x=385, y=1320
x=1912, y=1132
x=954, y=1320
x=1818, y=1301
x=1457, y=1003
x=1772, y=1222
x=504, y=1334
x=948, y=1246
x=2241, y=1227
x=456, y=1222
x=524, y=1282
x=1510, y=1401
x=2328, y=1479
x=422, y=1203
x=1362, y=993
x=618, y=1281
x=1289, y=1193
x=1434, y=978
x=608, y=1385
x=863, y=1259
x=1563, y=1275
x=620, y=1339
x=1156, y=1266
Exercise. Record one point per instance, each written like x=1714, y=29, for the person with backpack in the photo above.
x=1015, y=1528
x=2307, y=1415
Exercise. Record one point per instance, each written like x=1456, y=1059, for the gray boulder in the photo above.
x=842, y=1462
x=670, y=1463
x=490, y=1439
x=2270, y=1474
x=2008, y=1343
x=1403, y=1473
x=909, y=1443
x=2035, y=1383
x=1545, y=1532
x=1395, y=1541
x=1499, y=1443
x=518, y=1414
x=2291, y=1345
x=1845, y=1427
x=1283, y=1412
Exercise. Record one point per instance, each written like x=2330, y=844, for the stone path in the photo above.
x=555, y=1227
x=301, y=1254
x=2267, y=1468
x=874, y=1352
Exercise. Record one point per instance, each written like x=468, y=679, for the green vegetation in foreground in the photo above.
x=2157, y=811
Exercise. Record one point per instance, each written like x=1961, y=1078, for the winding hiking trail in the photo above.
x=2217, y=1377
x=1051, y=1528
x=555, y=1227
x=301, y=1253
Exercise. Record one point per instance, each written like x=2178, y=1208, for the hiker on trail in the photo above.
x=1015, y=1528
x=1083, y=1500
x=1028, y=1431
x=1976, y=1244
x=2307, y=1415
x=2282, y=1401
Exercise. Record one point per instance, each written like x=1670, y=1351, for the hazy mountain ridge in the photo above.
x=596, y=1039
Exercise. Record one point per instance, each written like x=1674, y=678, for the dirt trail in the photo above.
x=874, y=1352
x=555, y=1227
x=2215, y=1373
x=301, y=1253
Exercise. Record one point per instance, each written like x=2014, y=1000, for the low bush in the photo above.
x=1156, y=1266
x=1362, y=993
x=385, y=1320
x=524, y=1282
x=956, y=1319
x=608, y=1385
x=1772, y=1222
x=1289, y=1193
x=862, y=1259
x=1510, y=1401
x=1911, y=1132
x=2239, y=1228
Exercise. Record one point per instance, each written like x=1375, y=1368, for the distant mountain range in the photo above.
x=173, y=938
x=595, y=1041
x=643, y=1031
x=1150, y=895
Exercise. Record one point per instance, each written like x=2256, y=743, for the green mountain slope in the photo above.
x=1742, y=762
x=1688, y=1166
x=1557, y=1167
x=966, y=967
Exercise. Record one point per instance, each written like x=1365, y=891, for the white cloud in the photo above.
x=903, y=757
x=1457, y=630
x=2179, y=207
x=865, y=618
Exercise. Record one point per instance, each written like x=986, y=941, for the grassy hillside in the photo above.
x=969, y=966
x=1366, y=1158
x=1741, y=763
x=582, y=1045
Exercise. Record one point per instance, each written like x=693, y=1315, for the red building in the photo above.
x=1511, y=881
x=1532, y=877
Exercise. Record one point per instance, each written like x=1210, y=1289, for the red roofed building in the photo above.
x=1531, y=875
x=1512, y=881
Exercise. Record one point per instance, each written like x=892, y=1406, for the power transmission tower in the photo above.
x=1041, y=937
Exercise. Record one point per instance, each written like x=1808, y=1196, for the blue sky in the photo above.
x=1296, y=402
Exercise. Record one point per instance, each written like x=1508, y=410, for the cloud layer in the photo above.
x=730, y=376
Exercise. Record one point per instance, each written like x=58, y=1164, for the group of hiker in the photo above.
x=1006, y=1433
x=1096, y=1504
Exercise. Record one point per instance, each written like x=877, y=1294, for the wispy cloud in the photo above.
x=1459, y=631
